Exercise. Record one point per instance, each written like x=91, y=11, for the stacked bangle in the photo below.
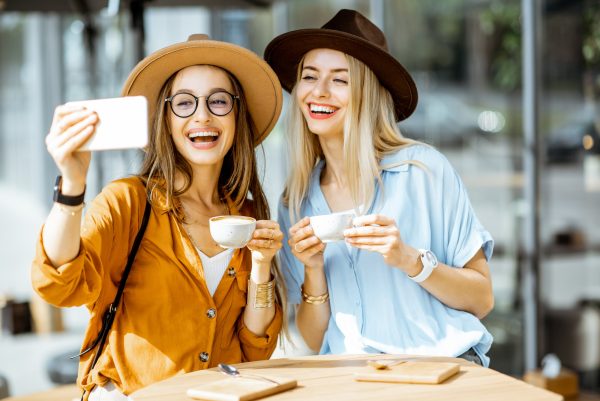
x=315, y=300
x=264, y=293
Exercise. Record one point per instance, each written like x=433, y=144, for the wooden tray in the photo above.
x=240, y=389
x=410, y=372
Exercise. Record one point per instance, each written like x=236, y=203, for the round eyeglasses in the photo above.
x=185, y=104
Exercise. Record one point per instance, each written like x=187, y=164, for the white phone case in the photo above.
x=122, y=123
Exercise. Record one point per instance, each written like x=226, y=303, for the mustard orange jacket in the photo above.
x=163, y=326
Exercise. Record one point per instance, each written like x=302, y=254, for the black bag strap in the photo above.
x=109, y=314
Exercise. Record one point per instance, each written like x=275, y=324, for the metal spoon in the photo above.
x=381, y=364
x=232, y=371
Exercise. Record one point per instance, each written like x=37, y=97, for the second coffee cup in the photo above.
x=232, y=231
x=330, y=227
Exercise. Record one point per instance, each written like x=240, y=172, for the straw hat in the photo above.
x=352, y=33
x=262, y=89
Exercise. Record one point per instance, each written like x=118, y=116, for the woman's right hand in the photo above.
x=305, y=245
x=71, y=127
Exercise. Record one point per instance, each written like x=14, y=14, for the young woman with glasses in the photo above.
x=188, y=304
x=412, y=275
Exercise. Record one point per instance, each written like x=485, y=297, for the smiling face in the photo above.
x=323, y=91
x=202, y=138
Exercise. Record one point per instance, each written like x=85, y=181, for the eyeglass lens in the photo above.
x=218, y=103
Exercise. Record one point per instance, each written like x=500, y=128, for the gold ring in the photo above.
x=296, y=248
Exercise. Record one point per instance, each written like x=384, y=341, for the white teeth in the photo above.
x=321, y=109
x=202, y=133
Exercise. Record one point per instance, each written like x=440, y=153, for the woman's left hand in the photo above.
x=266, y=241
x=378, y=233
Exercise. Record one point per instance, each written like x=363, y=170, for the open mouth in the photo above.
x=203, y=136
x=320, y=110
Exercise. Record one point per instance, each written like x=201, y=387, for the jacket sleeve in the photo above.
x=255, y=348
x=106, y=236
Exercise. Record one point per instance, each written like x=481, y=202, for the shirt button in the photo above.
x=211, y=313
x=231, y=272
x=204, y=356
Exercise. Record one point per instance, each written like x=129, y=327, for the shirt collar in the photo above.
x=315, y=196
x=315, y=177
x=393, y=162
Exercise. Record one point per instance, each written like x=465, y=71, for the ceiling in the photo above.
x=67, y=6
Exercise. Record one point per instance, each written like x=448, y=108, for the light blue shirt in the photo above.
x=376, y=307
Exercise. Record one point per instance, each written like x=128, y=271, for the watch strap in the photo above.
x=66, y=199
x=427, y=267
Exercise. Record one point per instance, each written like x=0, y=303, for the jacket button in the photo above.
x=231, y=272
x=204, y=356
x=211, y=313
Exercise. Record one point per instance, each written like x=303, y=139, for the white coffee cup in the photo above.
x=330, y=227
x=232, y=231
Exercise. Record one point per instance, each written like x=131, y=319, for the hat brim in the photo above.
x=261, y=86
x=285, y=52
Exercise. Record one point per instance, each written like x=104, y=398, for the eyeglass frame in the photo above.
x=197, y=99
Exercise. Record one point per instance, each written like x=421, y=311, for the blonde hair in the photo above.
x=238, y=177
x=370, y=133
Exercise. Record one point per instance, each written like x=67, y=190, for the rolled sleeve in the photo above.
x=255, y=347
x=67, y=285
x=109, y=225
x=465, y=233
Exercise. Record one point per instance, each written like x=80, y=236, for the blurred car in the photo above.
x=444, y=119
x=569, y=142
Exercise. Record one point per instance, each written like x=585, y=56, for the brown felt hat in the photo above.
x=352, y=33
x=261, y=87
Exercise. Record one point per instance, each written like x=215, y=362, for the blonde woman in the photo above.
x=188, y=304
x=412, y=276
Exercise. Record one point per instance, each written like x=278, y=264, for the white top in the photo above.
x=214, y=267
x=108, y=392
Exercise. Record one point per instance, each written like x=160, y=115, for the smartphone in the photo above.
x=122, y=123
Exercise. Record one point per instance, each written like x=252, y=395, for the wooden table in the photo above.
x=327, y=378
x=62, y=393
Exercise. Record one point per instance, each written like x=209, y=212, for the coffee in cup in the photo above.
x=232, y=231
x=330, y=227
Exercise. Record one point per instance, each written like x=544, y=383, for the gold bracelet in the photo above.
x=72, y=210
x=264, y=293
x=315, y=300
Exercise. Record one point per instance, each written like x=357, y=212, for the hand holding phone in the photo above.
x=122, y=123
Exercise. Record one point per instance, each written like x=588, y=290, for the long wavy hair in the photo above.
x=238, y=177
x=370, y=133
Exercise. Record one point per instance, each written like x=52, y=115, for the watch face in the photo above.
x=431, y=258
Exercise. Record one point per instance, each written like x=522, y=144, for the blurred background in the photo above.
x=540, y=199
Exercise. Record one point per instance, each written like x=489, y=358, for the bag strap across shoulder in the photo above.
x=109, y=314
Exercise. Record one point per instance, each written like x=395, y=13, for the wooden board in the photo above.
x=240, y=389
x=422, y=372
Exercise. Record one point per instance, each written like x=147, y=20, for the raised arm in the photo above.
x=312, y=315
x=71, y=127
x=266, y=241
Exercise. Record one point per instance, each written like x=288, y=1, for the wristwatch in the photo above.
x=66, y=199
x=429, y=262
